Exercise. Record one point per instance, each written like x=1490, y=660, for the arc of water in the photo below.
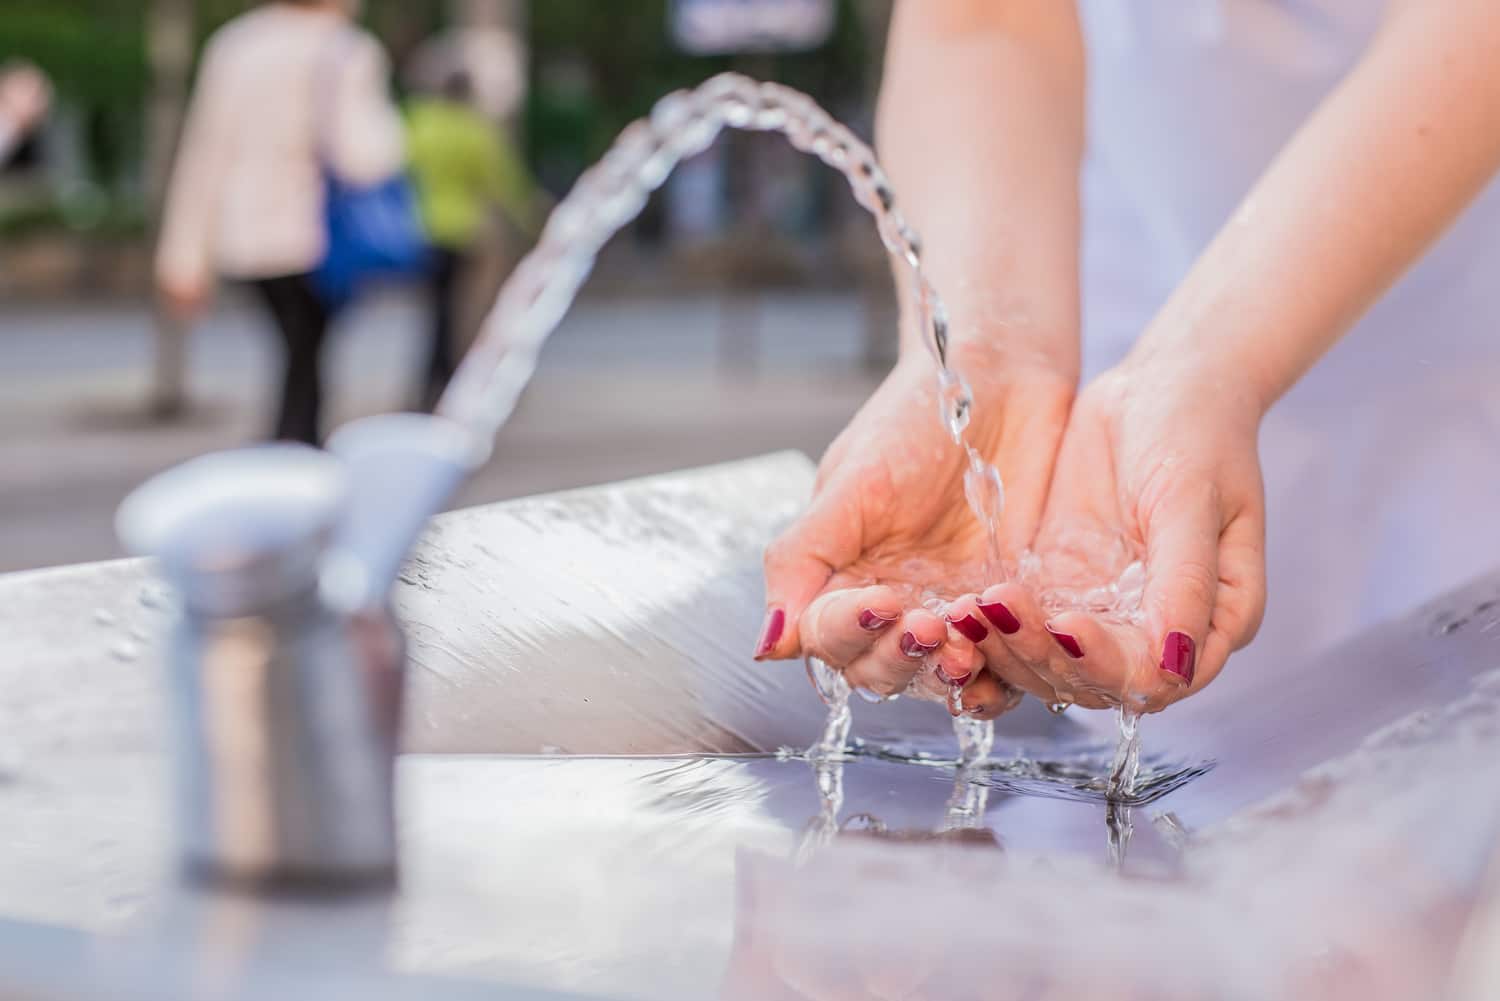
x=489, y=382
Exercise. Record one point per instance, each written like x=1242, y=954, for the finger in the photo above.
x=956, y=660
x=841, y=626
x=1182, y=578
x=800, y=562
x=1238, y=607
x=1095, y=660
x=987, y=697
x=984, y=630
x=1020, y=623
x=898, y=654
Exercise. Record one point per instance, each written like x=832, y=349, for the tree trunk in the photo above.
x=169, y=46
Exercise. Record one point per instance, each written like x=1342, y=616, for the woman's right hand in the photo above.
x=847, y=581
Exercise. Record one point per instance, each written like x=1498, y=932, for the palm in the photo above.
x=888, y=528
x=898, y=473
x=1164, y=489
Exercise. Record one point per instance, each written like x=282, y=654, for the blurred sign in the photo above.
x=715, y=27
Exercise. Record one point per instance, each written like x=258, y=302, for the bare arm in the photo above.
x=981, y=127
x=184, y=254
x=1376, y=174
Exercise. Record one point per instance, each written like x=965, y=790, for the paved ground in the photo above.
x=627, y=387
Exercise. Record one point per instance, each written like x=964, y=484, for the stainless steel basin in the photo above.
x=574, y=659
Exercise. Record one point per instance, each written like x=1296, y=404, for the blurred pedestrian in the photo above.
x=25, y=96
x=286, y=93
x=463, y=167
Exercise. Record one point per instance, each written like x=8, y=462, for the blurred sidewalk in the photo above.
x=626, y=387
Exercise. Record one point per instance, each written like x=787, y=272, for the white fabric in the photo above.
x=1382, y=466
x=246, y=199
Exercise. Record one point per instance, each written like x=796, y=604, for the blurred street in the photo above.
x=626, y=387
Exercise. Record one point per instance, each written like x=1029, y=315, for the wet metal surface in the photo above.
x=1312, y=859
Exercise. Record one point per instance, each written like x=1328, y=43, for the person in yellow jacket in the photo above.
x=463, y=167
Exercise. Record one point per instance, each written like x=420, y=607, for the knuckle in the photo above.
x=779, y=553
x=1195, y=582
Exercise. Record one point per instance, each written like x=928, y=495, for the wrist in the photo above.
x=1222, y=358
x=1003, y=355
x=1198, y=378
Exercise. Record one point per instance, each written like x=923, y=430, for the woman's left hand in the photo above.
x=1158, y=460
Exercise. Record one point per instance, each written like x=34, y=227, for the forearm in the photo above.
x=1373, y=177
x=981, y=128
x=184, y=245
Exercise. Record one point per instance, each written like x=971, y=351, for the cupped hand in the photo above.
x=852, y=581
x=1158, y=464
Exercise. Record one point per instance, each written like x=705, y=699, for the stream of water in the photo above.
x=495, y=372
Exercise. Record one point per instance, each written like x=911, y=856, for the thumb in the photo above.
x=800, y=562
x=1182, y=578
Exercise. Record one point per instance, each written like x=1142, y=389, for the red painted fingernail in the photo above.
x=873, y=621
x=972, y=629
x=1068, y=642
x=1003, y=618
x=915, y=648
x=770, y=633
x=1177, y=656
x=958, y=682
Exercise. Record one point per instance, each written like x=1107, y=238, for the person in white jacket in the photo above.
x=282, y=90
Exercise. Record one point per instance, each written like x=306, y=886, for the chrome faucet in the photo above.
x=285, y=662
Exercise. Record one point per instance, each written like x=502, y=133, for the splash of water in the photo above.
x=1126, y=767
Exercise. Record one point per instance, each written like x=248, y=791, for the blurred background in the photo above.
x=748, y=309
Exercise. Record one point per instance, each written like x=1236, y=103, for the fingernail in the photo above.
x=1177, y=656
x=972, y=629
x=958, y=682
x=770, y=633
x=869, y=696
x=1067, y=641
x=1003, y=618
x=975, y=709
x=915, y=648
x=873, y=621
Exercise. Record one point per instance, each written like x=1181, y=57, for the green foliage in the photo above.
x=94, y=50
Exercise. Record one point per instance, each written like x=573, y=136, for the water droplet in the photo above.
x=155, y=595
x=125, y=651
x=104, y=617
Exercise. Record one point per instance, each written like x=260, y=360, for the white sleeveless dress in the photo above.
x=1382, y=467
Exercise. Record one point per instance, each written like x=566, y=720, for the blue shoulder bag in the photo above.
x=374, y=230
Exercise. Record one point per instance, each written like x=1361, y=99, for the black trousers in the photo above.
x=302, y=320
x=448, y=267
